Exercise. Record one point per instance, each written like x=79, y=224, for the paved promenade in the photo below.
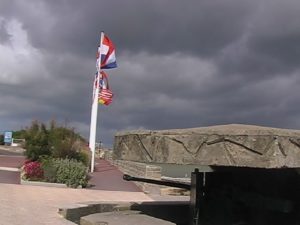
x=37, y=205
x=108, y=177
x=34, y=205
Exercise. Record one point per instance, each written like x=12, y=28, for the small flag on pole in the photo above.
x=106, y=56
x=105, y=94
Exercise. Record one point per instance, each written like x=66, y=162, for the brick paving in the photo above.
x=108, y=177
x=11, y=161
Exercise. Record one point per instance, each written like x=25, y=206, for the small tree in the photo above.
x=19, y=134
x=36, y=141
x=61, y=140
x=56, y=142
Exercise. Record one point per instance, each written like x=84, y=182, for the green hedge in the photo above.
x=66, y=171
x=54, y=141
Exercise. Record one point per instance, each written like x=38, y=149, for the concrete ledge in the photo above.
x=10, y=169
x=122, y=217
x=74, y=213
x=172, y=211
x=39, y=183
x=233, y=145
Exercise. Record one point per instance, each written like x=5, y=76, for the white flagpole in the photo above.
x=94, y=113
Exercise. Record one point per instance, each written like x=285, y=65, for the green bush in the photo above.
x=19, y=134
x=49, y=168
x=72, y=173
x=36, y=141
x=55, y=141
x=84, y=157
x=66, y=171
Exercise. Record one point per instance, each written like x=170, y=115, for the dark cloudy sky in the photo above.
x=180, y=63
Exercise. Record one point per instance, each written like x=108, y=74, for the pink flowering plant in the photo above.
x=32, y=171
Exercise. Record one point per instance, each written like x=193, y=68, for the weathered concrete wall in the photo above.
x=227, y=145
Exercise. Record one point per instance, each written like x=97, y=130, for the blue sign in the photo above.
x=8, y=137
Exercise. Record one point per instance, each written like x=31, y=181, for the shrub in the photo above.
x=67, y=171
x=49, y=168
x=84, y=157
x=19, y=134
x=72, y=173
x=36, y=141
x=56, y=141
x=33, y=171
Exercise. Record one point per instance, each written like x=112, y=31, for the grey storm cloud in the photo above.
x=4, y=36
x=195, y=27
x=180, y=64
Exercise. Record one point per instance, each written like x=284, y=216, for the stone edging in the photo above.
x=11, y=169
x=45, y=184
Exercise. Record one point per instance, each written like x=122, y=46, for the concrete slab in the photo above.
x=226, y=145
x=123, y=217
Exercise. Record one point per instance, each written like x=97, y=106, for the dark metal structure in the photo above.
x=158, y=182
x=244, y=196
x=196, y=188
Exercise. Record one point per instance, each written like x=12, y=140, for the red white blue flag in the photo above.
x=106, y=56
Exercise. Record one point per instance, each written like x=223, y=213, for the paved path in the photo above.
x=11, y=161
x=108, y=177
x=36, y=205
x=9, y=164
x=6, y=152
x=9, y=177
x=105, y=176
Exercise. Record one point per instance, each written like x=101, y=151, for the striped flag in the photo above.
x=106, y=56
x=105, y=94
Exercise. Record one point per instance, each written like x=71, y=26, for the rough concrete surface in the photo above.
x=122, y=217
x=225, y=145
